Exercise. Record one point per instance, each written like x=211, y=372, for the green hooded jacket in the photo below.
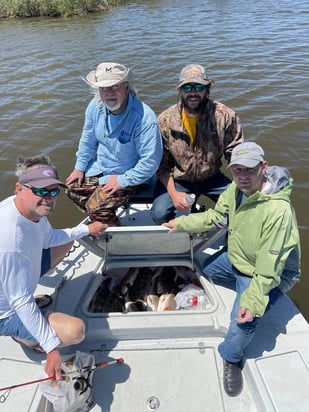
x=262, y=233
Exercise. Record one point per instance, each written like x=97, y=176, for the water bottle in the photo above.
x=190, y=198
x=191, y=303
x=202, y=302
x=198, y=302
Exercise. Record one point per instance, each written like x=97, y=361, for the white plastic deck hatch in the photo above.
x=15, y=372
x=288, y=391
x=177, y=376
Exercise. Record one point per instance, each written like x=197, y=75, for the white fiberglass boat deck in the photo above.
x=170, y=357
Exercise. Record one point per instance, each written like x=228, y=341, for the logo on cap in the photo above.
x=242, y=152
x=48, y=172
x=193, y=72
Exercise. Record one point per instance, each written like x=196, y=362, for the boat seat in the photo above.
x=146, y=195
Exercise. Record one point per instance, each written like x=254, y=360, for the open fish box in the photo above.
x=148, y=269
x=148, y=273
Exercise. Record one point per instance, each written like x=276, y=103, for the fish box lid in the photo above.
x=144, y=241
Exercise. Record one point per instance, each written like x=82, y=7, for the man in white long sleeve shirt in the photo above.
x=28, y=243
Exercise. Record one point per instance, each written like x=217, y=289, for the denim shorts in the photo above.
x=45, y=262
x=12, y=325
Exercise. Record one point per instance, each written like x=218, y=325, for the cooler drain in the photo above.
x=153, y=403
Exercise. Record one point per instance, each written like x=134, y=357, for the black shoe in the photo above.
x=232, y=378
x=43, y=300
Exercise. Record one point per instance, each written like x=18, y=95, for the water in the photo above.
x=256, y=52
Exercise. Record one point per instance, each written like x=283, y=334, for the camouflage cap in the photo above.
x=193, y=73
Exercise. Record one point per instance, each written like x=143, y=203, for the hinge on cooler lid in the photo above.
x=105, y=255
x=201, y=347
x=191, y=251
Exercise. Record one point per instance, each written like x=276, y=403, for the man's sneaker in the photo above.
x=43, y=300
x=232, y=378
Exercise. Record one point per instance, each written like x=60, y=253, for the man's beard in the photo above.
x=196, y=110
x=46, y=210
x=114, y=107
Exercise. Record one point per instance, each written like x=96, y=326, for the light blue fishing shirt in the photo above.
x=128, y=144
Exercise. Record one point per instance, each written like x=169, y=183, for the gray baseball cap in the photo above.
x=247, y=154
x=40, y=176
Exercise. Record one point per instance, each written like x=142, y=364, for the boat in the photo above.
x=164, y=361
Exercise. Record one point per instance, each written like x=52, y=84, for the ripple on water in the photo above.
x=256, y=52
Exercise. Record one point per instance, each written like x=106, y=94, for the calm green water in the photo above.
x=256, y=52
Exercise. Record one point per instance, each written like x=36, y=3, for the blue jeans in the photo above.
x=239, y=335
x=12, y=325
x=163, y=208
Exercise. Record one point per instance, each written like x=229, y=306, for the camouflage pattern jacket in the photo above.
x=218, y=132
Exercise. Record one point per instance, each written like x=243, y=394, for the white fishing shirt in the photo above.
x=21, y=245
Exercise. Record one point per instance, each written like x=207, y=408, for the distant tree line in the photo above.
x=53, y=8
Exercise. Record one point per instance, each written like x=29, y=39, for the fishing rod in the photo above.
x=78, y=385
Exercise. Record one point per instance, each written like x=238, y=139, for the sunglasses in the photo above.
x=43, y=192
x=114, y=88
x=187, y=88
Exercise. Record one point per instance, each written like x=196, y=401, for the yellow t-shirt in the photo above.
x=190, y=126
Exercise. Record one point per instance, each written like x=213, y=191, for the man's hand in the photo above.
x=170, y=224
x=112, y=185
x=96, y=228
x=53, y=363
x=75, y=176
x=244, y=315
x=179, y=202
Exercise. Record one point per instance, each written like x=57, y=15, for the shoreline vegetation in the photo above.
x=53, y=8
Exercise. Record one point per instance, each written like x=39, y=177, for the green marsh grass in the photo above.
x=53, y=8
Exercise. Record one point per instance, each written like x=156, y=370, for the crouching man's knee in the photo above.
x=77, y=331
x=69, y=329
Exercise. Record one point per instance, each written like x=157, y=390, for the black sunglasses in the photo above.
x=187, y=88
x=43, y=192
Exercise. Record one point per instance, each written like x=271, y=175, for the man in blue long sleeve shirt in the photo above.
x=120, y=148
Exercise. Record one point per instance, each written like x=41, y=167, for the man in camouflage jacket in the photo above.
x=197, y=132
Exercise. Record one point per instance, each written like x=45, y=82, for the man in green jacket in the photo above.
x=262, y=259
